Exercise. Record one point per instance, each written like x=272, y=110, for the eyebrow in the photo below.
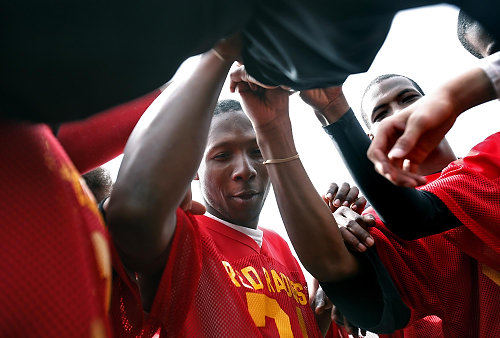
x=224, y=144
x=404, y=91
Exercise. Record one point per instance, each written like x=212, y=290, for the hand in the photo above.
x=329, y=104
x=263, y=106
x=230, y=48
x=240, y=75
x=353, y=227
x=341, y=320
x=191, y=206
x=321, y=306
x=325, y=312
x=404, y=141
x=345, y=196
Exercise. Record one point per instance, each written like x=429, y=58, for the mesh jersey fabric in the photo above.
x=470, y=188
x=436, y=278
x=226, y=286
x=55, y=263
x=429, y=326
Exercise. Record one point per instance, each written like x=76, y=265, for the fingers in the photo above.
x=351, y=196
x=394, y=173
x=341, y=194
x=351, y=329
x=353, y=227
x=328, y=197
x=406, y=142
x=351, y=240
x=240, y=75
x=359, y=204
x=337, y=316
x=197, y=208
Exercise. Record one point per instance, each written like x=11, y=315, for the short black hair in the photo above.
x=464, y=23
x=99, y=182
x=376, y=81
x=225, y=106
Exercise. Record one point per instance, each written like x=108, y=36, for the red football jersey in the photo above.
x=430, y=326
x=219, y=283
x=470, y=188
x=435, y=277
x=55, y=263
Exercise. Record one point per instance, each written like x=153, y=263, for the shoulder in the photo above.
x=483, y=159
x=273, y=238
x=279, y=249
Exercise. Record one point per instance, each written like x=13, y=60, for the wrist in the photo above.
x=278, y=124
x=222, y=59
x=333, y=111
x=467, y=91
x=276, y=140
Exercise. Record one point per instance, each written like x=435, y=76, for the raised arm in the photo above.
x=408, y=212
x=94, y=141
x=161, y=158
x=310, y=224
x=305, y=215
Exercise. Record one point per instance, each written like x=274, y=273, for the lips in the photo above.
x=246, y=194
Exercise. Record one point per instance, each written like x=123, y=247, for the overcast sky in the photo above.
x=422, y=45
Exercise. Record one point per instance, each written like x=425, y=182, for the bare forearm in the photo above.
x=161, y=158
x=309, y=223
x=468, y=90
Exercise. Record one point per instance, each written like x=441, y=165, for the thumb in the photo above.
x=197, y=208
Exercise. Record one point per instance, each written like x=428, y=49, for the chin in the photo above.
x=244, y=218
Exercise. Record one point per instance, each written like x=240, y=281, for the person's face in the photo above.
x=387, y=98
x=481, y=40
x=233, y=180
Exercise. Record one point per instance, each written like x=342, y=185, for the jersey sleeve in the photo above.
x=423, y=270
x=100, y=138
x=470, y=188
x=373, y=291
x=175, y=292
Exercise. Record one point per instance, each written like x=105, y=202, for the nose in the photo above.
x=243, y=169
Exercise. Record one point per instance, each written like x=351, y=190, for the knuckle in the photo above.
x=351, y=224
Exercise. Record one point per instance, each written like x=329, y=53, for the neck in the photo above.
x=438, y=159
x=252, y=223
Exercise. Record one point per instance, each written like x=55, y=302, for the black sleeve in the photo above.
x=369, y=300
x=408, y=212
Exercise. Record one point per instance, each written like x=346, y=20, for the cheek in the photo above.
x=212, y=182
x=263, y=174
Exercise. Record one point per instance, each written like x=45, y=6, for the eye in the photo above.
x=410, y=98
x=256, y=153
x=221, y=156
x=380, y=116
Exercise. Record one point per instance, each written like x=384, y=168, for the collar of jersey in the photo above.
x=255, y=234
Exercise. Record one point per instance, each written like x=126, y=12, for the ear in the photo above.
x=370, y=135
x=196, y=178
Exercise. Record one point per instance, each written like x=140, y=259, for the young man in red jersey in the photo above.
x=410, y=136
x=218, y=274
x=415, y=228
x=54, y=257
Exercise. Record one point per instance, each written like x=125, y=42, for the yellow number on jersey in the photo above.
x=261, y=306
